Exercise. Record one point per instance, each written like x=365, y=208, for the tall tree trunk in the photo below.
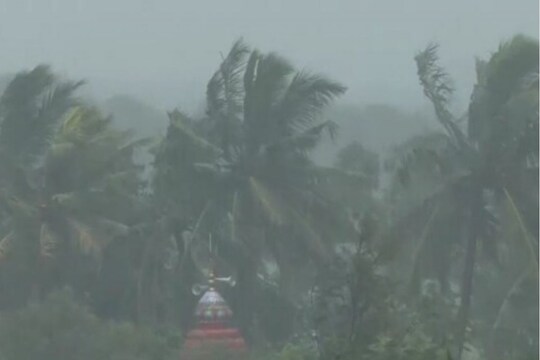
x=141, y=280
x=494, y=346
x=244, y=298
x=468, y=273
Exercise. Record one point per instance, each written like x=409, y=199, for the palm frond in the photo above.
x=20, y=208
x=224, y=90
x=506, y=304
x=434, y=80
x=508, y=66
x=270, y=203
x=420, y=248
x=279, y=212
x=251, y=71
x=305, y=98
x=234, y=214
x=67, y=201
x=525, y=233
x=407, y=226
x=5, y=245
x=48, y=241
x=438, y=89
x=429, y=158
x=179, y=122
x=57, y=101
x=530, y=81
x=110, y=229
x=305, y=141
x=224, y=97
x=84, y=125
x=85, y=240
x=30, y=109
x=310, y=235
x=60, y=150
x=268, y=79
x=334, y=176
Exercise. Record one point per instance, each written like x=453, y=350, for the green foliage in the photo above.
x=292, y=352
x=242, y=172
x=356, y=158
x=61, y=328
x=415, y=345
x=483, y=155
x=30, y=108
x=330, y=262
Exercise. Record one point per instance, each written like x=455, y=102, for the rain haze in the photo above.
x=269, y=180
x=162, y=51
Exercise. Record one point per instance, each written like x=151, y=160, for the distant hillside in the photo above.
x=377, y=127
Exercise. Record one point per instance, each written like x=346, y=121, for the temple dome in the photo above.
x=212, y=308
x=213, y=329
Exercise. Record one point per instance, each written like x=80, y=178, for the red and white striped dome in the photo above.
x=212, y=308
x=213, y=328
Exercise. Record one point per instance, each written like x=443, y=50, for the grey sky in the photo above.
x=165, y=50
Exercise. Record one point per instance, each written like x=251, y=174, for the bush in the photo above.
x=215, y=353
x=59, y=328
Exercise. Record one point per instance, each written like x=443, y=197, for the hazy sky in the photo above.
x=165, y=50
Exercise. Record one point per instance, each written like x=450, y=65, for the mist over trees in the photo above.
x=353, y=232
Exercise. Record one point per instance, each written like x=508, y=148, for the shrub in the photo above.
x=59, y=328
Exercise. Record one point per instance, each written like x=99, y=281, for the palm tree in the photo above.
x=31, y=107
x=253, y=145
x=73, y=201
x=504, y=125
x=486, y=160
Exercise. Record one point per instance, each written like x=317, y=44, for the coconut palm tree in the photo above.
x=481, y=165
x=77, y=198
x=31, y=107
x=252, y=155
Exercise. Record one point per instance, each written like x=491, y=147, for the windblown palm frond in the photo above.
x=438, y=89
x=5, y=245
x=271, y=204
x=225, y=97
x=306, y=140
x=30, y=109
x=49, y=241
x=89, y=186
x=81, y=125
x=180, y=122
x=498, y=82
x=266, y=76
x=224, y=90
x=250, y=152
x=507, y=68
x=303, y=101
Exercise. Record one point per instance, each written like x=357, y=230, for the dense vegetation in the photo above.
x=428, y=252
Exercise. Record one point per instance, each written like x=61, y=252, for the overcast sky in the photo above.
x=165, y=50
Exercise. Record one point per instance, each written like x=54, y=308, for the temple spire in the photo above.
x=213, y=315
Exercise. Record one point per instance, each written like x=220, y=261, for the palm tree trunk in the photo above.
x=468, y=273
x=140, y=281
x=245, y=297
x=493, y=353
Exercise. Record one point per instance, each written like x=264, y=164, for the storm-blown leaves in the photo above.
x=426, y=251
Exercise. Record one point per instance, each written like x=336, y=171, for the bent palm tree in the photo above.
x=262, y=120
x=76, y=199
x=485, y=161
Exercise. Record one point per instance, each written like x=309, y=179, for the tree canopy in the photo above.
x=426, y=251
